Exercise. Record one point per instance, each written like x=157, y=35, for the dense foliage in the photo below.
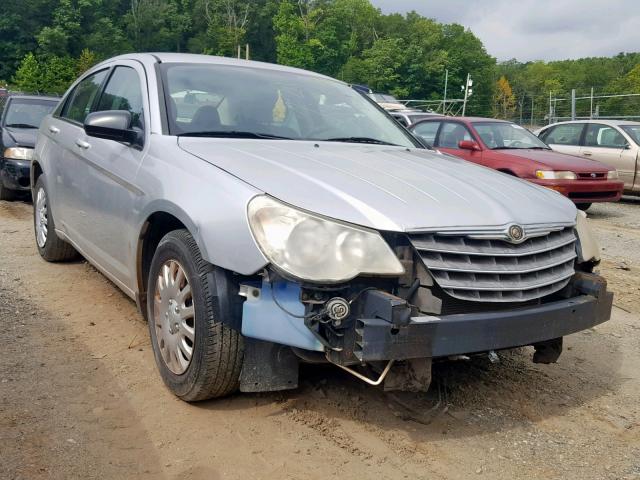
x=45, y=44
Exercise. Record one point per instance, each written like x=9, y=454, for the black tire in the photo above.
x=214, y=368
x=7, y=193
x=54, y=249
x=583, y=206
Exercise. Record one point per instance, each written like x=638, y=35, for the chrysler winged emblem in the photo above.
x=515, y=233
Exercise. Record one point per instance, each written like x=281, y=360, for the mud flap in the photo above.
x=268, y=367
x=409, y=376
x=548, y=352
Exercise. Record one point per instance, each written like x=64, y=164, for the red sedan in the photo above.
x=512, y=149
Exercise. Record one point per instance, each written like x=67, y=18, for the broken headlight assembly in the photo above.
x=317, y=249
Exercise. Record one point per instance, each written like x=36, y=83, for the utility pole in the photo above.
x=550, y=109
x=573, y=104
x=467, y=93
x=532, y=99
x=444, y=101
x=591, y=108
x=520, y=103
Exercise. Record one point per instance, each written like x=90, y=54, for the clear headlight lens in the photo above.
x=317, y=249
x=588, y=247
x=555, y=175
x=612, y=175
x=19, y=153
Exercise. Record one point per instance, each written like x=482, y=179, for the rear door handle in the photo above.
x=54, y=130
x=587, y=154
x=82, y=144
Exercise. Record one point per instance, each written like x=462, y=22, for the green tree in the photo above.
x=28, y=76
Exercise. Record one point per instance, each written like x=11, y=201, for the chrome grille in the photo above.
x=478, y=268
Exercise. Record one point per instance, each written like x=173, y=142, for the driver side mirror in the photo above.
x=111, y=125
x=469, y=145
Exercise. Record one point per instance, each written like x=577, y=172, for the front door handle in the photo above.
x=54, y=130
x=82, y=144
x=586, y=154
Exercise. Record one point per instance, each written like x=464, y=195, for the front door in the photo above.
x=450, y=136
x=109, y=193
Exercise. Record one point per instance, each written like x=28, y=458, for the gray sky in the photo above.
x=538, y=29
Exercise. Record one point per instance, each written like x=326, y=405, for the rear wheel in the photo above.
x=199, y=356
x=583, y=206
x=51, y=247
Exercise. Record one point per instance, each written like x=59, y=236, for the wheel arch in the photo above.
x=35, y=172
x=156, y=225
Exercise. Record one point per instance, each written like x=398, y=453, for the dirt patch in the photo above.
x=81, y=398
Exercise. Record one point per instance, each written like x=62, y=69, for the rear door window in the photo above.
x=427, y=131
x=604, y=136
x=568, y=134
x=81, y=99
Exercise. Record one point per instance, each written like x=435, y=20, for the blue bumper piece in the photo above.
x=263, y=319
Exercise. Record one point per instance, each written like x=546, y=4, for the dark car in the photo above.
x=512, y=149
x=19, y=125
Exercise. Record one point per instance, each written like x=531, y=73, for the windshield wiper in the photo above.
x=232, y=134
x=20, y=125
x=520, y=148
x=359, y=140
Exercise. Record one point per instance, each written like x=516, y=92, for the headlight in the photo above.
x=317, y=249
x=553, y=175
x=588, y=248
x=19, y=153
x=612, y=175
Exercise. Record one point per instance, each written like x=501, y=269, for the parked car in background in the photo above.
x=613, y=142
x=19, y=125
x=286, y=219
x=407, y=117
x=512, y=149
x=387, y=101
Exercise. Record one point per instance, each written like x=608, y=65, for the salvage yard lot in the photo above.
x=80, y=396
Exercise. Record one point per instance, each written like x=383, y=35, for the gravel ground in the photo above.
x=80, y=396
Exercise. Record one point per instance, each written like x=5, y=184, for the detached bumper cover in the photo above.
x=429, y=336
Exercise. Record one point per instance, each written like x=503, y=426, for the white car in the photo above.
x=613, y=142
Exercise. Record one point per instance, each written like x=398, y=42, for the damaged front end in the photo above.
x=450, y=293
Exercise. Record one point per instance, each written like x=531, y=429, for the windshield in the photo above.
x=633, y=131
x=503, y=135
x=384, y=98
x=27, y=112
x=246, y=102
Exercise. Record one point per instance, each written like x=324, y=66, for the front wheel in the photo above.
x=51, y=247
x=198, y=355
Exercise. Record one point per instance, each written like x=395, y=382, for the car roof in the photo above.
x=438, y=117
x=35, y=97
x=164, y=57
x=603, y=121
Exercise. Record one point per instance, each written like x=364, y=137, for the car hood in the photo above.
x=22, y=137
x=555, y=160
x=386, y=188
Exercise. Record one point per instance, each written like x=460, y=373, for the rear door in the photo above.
x=607, y=145
x=109, y=192
x=564, y=138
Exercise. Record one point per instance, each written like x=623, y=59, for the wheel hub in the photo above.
x=41, y=220
x=174, y=317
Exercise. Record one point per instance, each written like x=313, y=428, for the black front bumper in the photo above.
x=15, y=174
x=430, y=336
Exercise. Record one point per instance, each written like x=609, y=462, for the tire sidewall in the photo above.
x=171, y=248
x=51, y=226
